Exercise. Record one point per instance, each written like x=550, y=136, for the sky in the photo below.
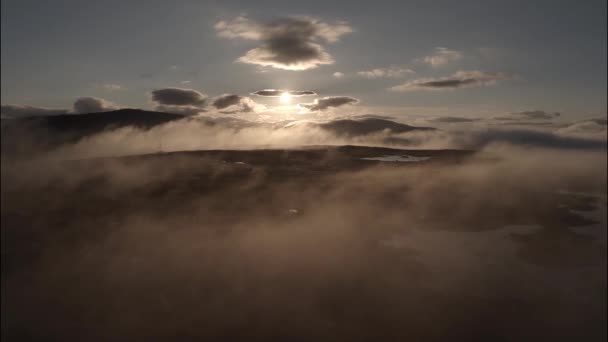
x=449, y=58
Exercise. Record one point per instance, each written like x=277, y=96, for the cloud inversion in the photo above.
x=93, y=105
x=288, y=43
x=328, y=102
x=442, y=56
x=461, y=79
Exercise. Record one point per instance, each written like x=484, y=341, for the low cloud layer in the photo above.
x=292, y=43
x=233, y=132
x=461, y=79
x=329, y=102
x=278, y=93
x=462, y=247
x=442, y=56
x=93, y=105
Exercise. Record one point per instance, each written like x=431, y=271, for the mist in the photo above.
x=307, y=242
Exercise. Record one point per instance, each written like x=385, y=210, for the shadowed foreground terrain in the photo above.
x=306, y=244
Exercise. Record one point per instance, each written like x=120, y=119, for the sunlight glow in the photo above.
x=285, y=97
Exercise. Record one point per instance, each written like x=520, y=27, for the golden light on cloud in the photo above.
x=285, y=97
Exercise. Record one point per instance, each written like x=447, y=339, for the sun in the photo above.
x=285, y=97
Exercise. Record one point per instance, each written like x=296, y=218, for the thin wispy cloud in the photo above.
x=442, y=56
x=338, y=74
x=293, y=43
x=111, y=86
x=389, y=72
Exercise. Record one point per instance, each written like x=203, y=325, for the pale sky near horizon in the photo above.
x=411, y=57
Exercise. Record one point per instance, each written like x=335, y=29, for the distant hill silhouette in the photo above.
x=54, y=130
x=349, y=127
x=31, y=135
x=97, y=122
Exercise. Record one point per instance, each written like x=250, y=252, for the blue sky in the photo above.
x=554, y=52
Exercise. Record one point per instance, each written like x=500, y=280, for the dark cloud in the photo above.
x=452, y=119
x=17, y=111
x=231, y=103
x=460, y=79
x=529, y=115
x=328, y=102
x=179, y=97
x=289, y=43
x=92, y=105
x=278, y=93
x=226, y=100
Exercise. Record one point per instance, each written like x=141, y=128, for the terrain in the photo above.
x=323, y=242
